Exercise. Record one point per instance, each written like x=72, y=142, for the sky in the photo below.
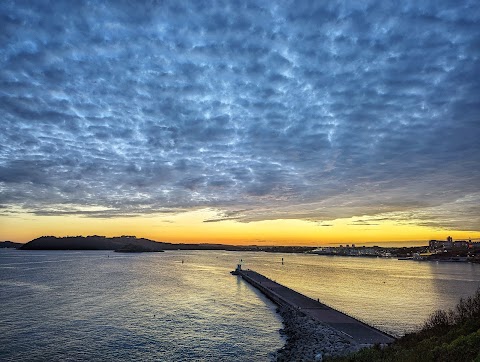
x=243, y=122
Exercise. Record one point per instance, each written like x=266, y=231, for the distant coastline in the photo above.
x=442, y=251
x=96, y=242
x=10, y=244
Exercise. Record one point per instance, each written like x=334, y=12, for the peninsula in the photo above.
x=96, y=242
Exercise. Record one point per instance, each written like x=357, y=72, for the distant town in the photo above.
x=437, y=250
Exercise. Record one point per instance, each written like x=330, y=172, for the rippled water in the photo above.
x=109, y=306
x=97, y=305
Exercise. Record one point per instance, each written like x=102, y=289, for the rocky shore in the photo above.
x=310, y=340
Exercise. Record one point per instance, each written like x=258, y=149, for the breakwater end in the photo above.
x=352, y=329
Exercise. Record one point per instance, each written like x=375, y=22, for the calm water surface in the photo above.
x=98, y=305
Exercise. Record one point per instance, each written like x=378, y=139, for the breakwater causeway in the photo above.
x=341, y=332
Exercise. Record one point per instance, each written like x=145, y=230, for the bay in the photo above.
x=185, y=306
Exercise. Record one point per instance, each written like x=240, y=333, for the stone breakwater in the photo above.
x=313, y=329
x=310, y=340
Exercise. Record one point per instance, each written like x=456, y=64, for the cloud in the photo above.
x=292, y=110
x=223, y=215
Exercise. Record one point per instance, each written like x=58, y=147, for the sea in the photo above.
x=185, y=305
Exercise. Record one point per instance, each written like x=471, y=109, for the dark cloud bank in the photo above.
x=290, y=109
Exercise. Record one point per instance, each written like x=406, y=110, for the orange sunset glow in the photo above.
x=189, y=227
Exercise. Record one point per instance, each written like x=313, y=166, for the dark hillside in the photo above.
x=10, y=244
x=94, y=242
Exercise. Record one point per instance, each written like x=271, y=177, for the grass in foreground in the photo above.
x=452, y=335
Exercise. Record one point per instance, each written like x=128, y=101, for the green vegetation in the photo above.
x=452, y=335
